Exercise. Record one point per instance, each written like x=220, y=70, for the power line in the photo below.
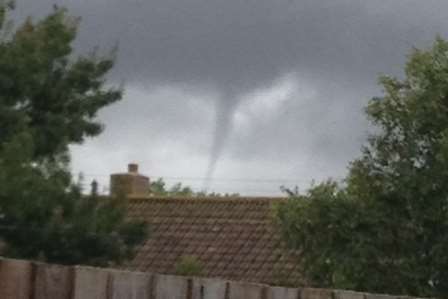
x=241, y=186
x=249, y=180
x=105, y=189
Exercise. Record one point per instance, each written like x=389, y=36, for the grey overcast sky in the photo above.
x=243, y=89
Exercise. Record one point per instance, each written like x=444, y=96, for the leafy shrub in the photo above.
x=189, y=266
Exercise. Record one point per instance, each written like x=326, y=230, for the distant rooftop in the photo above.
x=233, y=238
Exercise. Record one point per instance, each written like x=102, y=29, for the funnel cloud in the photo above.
x=224, y=109
x=189, y=65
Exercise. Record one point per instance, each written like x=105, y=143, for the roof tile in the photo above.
x=233, y=238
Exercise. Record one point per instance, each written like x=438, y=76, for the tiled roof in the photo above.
x=232, y=238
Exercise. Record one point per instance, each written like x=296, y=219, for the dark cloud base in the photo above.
x=230, y=48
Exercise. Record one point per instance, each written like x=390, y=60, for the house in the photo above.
x=231, y=238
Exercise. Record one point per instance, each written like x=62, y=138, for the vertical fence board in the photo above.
x=129, y=285
x=343, y=294
x=25, y=280
x=311, y=293
x=283, y=293
x=170, y=287
x=380, y=296
x=15, y=279
x=53, y=281
x=90, y=283
x=204, y=288
x=240, y=290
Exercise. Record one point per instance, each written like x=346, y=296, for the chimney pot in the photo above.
x=133, y=168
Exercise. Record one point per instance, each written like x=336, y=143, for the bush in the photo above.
x=189, y=266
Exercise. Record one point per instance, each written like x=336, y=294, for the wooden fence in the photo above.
x=30, y=280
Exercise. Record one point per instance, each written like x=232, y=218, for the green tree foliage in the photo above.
x=386, y=228
x=159, y=188
x=189, y=266
x=48, y=100
x=42, y=88
x=44, y=216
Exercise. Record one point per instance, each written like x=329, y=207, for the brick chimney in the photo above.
x=129, y=184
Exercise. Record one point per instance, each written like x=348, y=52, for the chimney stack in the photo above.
x=133, y=168
x=129, y=184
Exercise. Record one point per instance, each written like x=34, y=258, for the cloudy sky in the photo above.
x=252, y=93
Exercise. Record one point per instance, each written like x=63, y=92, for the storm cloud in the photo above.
x=256, y=88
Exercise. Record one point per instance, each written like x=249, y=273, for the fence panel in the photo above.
x=238, y=290
x=129, y=285
x=282, y=293
x=24, y=280
x=90, y=283
x=53, y=281
x=170, y=287
x=15, y=279
x=206, y=288
x=343, y=294
x=377, y=296
x=312, y=293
